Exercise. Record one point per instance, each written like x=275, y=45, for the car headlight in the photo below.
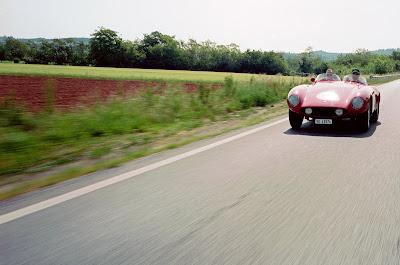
x=294, y=100
x=339, y=112
x=357, y=103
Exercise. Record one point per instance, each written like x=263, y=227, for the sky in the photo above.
x=280, y=25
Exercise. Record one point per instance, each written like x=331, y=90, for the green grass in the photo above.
x=29, y=185
x=100, y=151
x=31, y=141
x=131, y=73
x=379, y=81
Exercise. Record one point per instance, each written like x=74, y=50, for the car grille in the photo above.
x=323, y=112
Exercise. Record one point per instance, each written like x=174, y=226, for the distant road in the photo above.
x=319, y=196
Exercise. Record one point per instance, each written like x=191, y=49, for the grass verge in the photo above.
x=382, y=80
x=107, y=135
x=202, y=133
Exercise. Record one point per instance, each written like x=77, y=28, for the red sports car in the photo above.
x=328, y=100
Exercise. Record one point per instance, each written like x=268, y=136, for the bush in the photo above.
x=259, y=94
x=229, y=86
x=204, y=93
x=382, y=66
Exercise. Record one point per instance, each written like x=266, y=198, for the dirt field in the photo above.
x=35, y=93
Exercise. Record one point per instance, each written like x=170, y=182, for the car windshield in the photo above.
x=355, y=78
x=327, y=77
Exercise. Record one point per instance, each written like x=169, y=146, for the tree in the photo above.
x=31, y=52
x=15, y=50
x=382, y=65
x=199, y=56
x=306, y=61
x=133, y=57
x=320, y=66
x=274, y=63
x=360, y=58
x=2, y=52
x=226, y=58
x=396, y=55
x=106, y=48
x=251, y=62
x=44, y=53
x=61, y=51
x=80, y=54
x=161, y=50
x=263, y=62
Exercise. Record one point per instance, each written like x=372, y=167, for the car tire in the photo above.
x=364, y=120
x=375, y=115
x=295, y=120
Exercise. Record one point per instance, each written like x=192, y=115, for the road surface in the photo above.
x=319, y=196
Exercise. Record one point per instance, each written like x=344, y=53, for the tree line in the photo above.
x=161, y=51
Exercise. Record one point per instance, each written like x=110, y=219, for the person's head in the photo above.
x=329, y=72
x=355, y=73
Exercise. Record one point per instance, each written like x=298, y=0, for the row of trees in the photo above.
x=57, y=51
x=155, y=50
x=370, y=63
x=161, y=51
x=367, y=62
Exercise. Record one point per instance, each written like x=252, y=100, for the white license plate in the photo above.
x=323, y=121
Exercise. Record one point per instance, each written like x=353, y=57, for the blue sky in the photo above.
x=283, y=25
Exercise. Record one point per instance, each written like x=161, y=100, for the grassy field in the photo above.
x=131, y=73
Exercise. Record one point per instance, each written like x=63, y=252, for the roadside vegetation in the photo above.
x=378, y=80
x=367, y=62
x=124, y=128
x=34, y=142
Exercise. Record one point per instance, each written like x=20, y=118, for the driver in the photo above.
x=329, y=74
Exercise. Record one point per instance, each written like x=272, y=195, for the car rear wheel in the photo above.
x=364, y=120
x=295, y=120
x=375, y=115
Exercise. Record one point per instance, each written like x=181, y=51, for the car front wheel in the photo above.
x=295, y=120
x=364, y=120
x=375, y=115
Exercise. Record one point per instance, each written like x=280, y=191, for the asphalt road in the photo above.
x=319, y=196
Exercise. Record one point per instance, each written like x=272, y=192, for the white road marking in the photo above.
x=101, y=184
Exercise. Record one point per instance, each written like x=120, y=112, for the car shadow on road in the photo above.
x=346, y=129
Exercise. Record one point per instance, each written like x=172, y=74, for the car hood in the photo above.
x=337, y=94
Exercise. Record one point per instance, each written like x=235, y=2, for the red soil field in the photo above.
x=34, y=93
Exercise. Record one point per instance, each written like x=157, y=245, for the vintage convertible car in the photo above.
x=328, y=100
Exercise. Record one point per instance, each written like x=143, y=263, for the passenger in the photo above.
x=329, y=74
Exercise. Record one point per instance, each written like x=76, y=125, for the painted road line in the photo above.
x=128, y=175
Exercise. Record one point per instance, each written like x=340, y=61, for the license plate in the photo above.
x=323, y=121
